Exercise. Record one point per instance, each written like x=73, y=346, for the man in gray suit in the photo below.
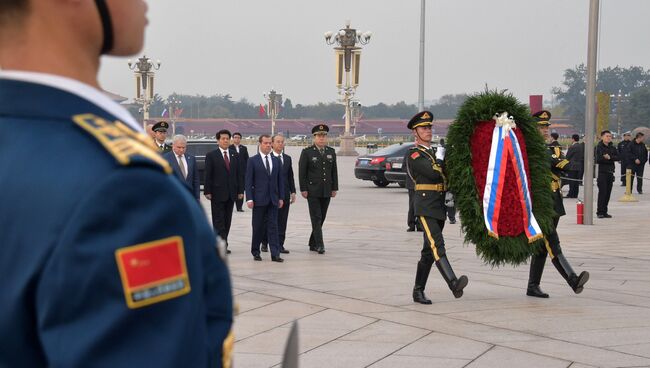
x=184, y=165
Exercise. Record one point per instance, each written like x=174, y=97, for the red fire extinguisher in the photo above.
x=580, y=211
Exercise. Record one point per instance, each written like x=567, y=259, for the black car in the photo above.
x=395, y=171
x=373, y=166
x=198, y=149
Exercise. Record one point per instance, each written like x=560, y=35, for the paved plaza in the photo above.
x=354, y=307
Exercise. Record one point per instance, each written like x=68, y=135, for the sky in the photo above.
x=247, y=47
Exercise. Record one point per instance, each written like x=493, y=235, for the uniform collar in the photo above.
x=73, y=87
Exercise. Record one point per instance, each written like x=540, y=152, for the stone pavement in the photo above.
x=354, y=308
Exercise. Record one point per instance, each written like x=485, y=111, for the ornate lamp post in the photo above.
x=348, y=58
x=144, y=75
x=273, y=103
x=355, y=110
x=172, y=105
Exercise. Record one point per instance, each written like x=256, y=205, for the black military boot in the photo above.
x=576, y=282
x=455, y=284
x=535, y=276
x=421, y=277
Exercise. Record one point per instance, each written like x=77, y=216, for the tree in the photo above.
x=636, y=111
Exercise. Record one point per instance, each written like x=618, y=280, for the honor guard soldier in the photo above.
x=159, y=135
x=94, y=271
x=429, y=207
x=319, y=182
x=551, y=246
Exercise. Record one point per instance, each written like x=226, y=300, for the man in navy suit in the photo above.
x=264, y=189
x=224, y=183
x=184, y=165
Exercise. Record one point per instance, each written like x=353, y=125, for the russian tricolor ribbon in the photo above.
x=505, y=147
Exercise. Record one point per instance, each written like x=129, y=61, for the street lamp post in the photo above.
x=348, y=58
x=619, y=99
x=273, y=103
x=144, y=76
x=172, y=105
x=355, y=110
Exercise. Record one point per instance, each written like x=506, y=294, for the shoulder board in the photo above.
x=125, y=145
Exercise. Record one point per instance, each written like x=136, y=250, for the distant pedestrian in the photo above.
x=242, y=151
x=637, y=155
x=576, y=157
x=606, y=155
x=622, y=152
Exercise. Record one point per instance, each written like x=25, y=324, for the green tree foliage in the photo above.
x=613, y=81
x=636, y=111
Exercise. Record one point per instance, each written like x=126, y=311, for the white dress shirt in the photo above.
x=270, y=161
x=184, y=159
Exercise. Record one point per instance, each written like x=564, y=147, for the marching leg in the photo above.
x=537, y=263
x=421, y=276
x=576, y=282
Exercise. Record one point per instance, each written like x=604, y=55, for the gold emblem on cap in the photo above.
x=321, y=127
x=426, y=116
x=544, y=115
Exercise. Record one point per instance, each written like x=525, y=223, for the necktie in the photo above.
x=268, y=167
x=322, y=151
x=182, y=166
x=226, y=160
x=162, y=147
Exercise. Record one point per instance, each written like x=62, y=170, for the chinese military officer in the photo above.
x=319, y=183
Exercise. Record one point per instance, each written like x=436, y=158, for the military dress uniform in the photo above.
x=429, y=207
x=318, y=176
x=551, y=243
x=93, y=271
x=161, y=126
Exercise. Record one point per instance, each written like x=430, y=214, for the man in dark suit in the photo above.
x=289, y=196
x=159, y=135
x=576, y=157
x=224, y=183
x=242, y=151
x=319, y=182
x=264, y=188
x=184, y=165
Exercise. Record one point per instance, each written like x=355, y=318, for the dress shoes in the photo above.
x=607, y=215
x=284, y=251
x=419, y=297
x=452, y=221
x=277, y=259
x=228, y=251
x=410, y=229
x=257, y=258
x=320, y=250
x=265, y=248
x=239, y=210
x=534, y=290
x=313, y=249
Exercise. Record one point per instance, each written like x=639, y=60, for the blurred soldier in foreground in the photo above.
x=552, y=241
x=319, y=182
x=94, y=271
x=429, y=206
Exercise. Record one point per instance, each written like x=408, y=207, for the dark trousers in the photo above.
x=637, y=170
x=222, y=217
x=265, y=226
x=605, y=182
x=283, y=216
x=451, y=212
x=623, y=169
x=574, y=184
x=239, y=203
x=317, y=211
x=410, y=217
x=434, y=244
x=550, y=245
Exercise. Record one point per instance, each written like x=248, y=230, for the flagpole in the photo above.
x=590, y=113
x=421, y=79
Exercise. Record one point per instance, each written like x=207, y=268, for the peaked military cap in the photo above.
x=627, y=133
x=320, y=129
x=160, y=126
x=423, y=118
x=542, y=118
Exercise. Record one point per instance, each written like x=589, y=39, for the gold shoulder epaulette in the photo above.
x=126, y=145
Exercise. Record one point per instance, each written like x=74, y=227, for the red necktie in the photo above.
x=226, y=160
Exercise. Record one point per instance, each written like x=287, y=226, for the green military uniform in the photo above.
x=551, y=244
x=318, y=176
x=161, y=126
x=429, y=207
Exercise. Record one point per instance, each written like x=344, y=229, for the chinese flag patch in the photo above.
x=415, y=155
x=153, y=272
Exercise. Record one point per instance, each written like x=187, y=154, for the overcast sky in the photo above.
x=245, y=47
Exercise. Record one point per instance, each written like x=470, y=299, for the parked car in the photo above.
x=396, y=171
x=372, y=166
x=298, y=137
x=198, y=149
